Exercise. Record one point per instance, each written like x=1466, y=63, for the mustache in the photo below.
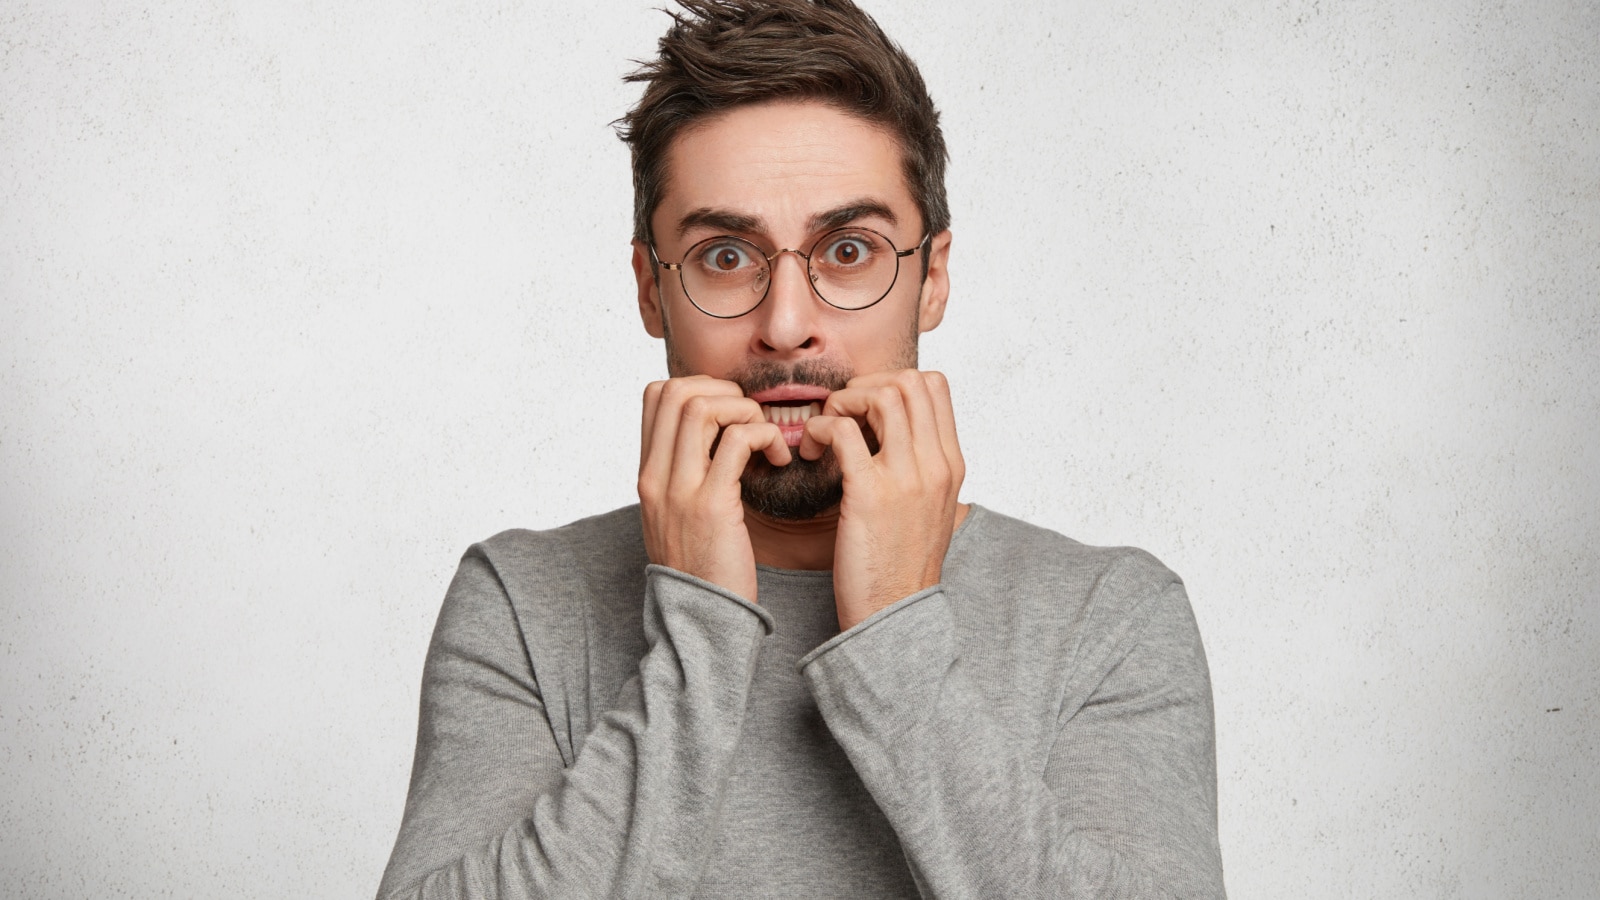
x=761, y=376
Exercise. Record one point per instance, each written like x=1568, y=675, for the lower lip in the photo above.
x=792, y=433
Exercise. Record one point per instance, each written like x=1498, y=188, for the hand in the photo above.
x=688, y=497
x=899, y=505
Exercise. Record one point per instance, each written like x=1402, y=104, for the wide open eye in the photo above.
x=726, y=257
x=851, y=250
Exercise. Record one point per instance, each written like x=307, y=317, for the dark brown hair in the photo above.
x=720, y=54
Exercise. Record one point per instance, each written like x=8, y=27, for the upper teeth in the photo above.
x=791, y=415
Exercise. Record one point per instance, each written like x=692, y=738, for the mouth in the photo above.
x=785, y=414
x=790, y=417
x=788, y=406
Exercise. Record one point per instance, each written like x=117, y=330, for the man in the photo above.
x=800, y=666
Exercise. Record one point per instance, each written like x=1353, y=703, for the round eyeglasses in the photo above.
x=850, y=268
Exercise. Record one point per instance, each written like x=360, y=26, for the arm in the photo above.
x=491, y=812
x=633, y=814
x=1125, y=806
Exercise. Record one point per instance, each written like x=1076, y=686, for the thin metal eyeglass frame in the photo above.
x=811, y=277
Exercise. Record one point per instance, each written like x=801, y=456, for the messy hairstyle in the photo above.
x=720, y=54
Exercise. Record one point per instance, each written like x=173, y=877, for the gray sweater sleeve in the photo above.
x=1124, y=807
x=491, y=812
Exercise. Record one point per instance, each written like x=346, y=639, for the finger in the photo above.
x=675, y=393
x=811, y=447
x=705, y=416
x=843, y=434
x=739, y=442
x=920, y=414
x=919, y=405
x=945, y=415
x=652, y=400
x=885, y=411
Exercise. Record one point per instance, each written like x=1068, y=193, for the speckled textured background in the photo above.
x=1303, y=297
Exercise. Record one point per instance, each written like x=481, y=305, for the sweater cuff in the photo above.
x=885, y=675
x=669, y=585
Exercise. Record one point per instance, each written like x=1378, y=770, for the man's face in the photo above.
x=781, y=175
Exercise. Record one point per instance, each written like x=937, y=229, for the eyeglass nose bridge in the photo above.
x=805, y=266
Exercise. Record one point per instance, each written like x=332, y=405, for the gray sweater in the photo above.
x=1037, y=725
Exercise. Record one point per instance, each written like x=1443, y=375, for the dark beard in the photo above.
x=805, y=488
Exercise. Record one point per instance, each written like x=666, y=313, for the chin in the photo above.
x=804, y=489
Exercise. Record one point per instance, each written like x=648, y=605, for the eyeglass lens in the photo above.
x=851, y=268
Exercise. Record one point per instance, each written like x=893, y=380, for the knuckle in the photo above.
x=698, y=406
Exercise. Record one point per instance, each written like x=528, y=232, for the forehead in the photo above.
x=782, y=162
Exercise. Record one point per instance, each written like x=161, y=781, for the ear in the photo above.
x=644, y=272
x=936, y=287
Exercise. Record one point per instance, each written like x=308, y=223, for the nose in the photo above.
x=789, y=318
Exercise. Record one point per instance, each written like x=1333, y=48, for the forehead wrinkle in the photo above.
x=762, y=166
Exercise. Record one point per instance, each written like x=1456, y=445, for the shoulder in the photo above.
x=1051, y=617
x=523, y=566
x=550, y=578
x=1030, y=586
x=588, y=570
x=997, y=546
x=589, y=543
x=566, y=602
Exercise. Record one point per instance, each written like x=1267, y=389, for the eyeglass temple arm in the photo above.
x=925, y=238
x=665, y=265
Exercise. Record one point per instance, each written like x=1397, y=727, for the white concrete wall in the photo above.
x=295, y=303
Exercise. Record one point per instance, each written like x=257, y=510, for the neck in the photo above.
x=793, y=543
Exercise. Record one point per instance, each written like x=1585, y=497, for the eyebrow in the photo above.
x=839, y=216
x=721, y=220
x=742, y=223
